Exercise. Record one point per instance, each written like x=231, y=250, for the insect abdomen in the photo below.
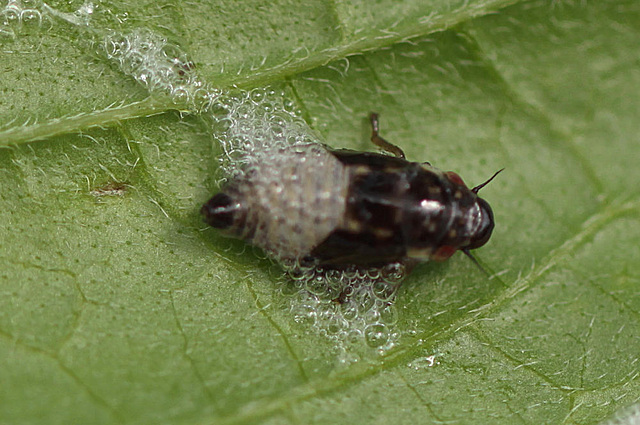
x=288, y=201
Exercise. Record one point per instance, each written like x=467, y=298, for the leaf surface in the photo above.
x=117, y=306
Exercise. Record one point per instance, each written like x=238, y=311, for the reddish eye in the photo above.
x=454, y=177
x=443, y=253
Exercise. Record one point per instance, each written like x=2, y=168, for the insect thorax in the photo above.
x=397, y=210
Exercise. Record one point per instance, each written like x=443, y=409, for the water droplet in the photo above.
x=393, y=273
x=389, y=314
x=257, y=96
x=289, y=105
x=173, y=53
x=202, y=99
x=31, y=17
x=132, y=62
x=316, y=286
x=11, y=15
x=383, y=290
x=31, y=4
x=376, y=335
x=6, y=32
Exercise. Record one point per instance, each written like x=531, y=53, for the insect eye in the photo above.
x=220, y=211
x=485, y=228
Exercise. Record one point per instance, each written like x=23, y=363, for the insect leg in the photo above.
x=379, y=141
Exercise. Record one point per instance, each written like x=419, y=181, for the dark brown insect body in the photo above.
x=336, y=209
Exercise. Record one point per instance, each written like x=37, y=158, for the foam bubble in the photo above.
x=17, y=16
x=160, y=66
x=345, y=306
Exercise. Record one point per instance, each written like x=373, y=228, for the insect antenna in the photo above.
x=472, y=258
x=480, y=186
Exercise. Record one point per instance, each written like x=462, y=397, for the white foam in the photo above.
x=355, y=307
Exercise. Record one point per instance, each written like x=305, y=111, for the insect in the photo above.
x=308, y=204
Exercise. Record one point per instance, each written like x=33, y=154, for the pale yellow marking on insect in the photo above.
x=419, y=253
x=353, y=226
x=361, y=170
x=382, y=232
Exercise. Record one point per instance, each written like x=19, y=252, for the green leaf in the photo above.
x=116, y=306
